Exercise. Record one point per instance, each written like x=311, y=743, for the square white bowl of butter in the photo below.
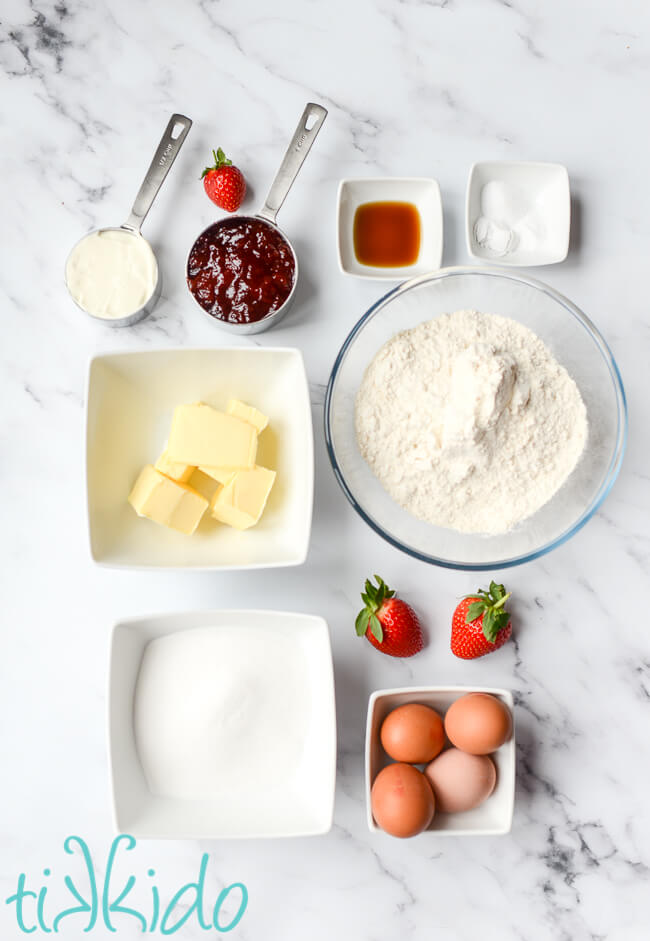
x=222, y=724
x=130, y=400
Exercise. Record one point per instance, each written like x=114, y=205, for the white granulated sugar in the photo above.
x=215, y=713
x=469, y=422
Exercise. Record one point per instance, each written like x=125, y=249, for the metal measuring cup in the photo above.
x=166, y=152
x=305, y=134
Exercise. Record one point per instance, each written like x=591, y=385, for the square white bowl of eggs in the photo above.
x=493, y=816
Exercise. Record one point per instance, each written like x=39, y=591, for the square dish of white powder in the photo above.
x=518, y=212
x=222, y=725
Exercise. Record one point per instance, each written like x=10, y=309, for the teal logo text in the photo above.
x=114, y=902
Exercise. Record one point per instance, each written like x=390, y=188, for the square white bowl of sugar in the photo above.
x=518, y=213
x=129, y=404
x=222, y=724
x=421, y=192
x=494, y=816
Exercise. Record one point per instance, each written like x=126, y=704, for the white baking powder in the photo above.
x=469, y=422
x=512, y=219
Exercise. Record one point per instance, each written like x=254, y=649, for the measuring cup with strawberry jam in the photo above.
x=242, y=271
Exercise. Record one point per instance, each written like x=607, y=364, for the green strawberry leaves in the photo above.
x=362, y=622
x=220, y=160
x=475, y=610
x=493, y=622
x=373, y=598
x=490, y=605
x=376, y=628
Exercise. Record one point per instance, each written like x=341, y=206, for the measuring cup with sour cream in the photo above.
x=112, y=273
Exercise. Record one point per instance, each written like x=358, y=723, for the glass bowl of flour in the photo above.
x=475, y=419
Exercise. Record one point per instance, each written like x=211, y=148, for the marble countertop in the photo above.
x=413, y=88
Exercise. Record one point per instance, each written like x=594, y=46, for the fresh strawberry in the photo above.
x=480, y=623
x=224, y=184
x=391, y=625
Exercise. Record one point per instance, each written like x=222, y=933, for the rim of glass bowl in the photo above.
x=583, y=320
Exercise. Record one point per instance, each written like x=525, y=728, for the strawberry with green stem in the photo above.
x=480, y=623
x=224, y=183
x=390, y=624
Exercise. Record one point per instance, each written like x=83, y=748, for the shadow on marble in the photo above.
x=353, y=687
x=526, y=772
x=575, y=237
x=450, y=233
x=331, y=509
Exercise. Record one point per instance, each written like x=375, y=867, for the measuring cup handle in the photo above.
x=168, y=148
x=294, y=158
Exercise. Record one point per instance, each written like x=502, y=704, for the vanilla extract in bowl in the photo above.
x=386, y=234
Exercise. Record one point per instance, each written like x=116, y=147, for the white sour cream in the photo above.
x=111, y=273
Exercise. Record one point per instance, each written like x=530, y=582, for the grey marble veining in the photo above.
x=412, y=88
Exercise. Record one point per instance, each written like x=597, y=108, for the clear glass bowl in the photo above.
x=575, y=343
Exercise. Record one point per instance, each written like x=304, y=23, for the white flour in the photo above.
x=469, y=422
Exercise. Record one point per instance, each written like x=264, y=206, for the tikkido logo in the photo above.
x=99, y=900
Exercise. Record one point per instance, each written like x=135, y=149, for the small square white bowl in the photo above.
x=130, y=401
x=423, y=193
x=300, y=804
x=528, y=181
x=494, y=817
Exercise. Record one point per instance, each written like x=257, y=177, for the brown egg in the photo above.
x=402, y=800
x=460, y=781
x=478, y=723
x=412, y=733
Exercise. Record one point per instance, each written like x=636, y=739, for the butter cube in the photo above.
x=247, y=413
x=167, y=501
x=204, y=437
x=241, y=501
x=174, y=469
x=221, y=474
x=204, y=484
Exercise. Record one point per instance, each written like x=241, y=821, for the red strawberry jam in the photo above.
x=240, y=270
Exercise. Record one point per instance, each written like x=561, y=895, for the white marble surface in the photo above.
x=412, y=88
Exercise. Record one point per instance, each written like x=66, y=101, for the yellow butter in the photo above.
x=204, y=437
x=241, y=501
x=167, y=501
x=174, y=469
x=204, y=484
x=221, y=474
x=247, y=413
